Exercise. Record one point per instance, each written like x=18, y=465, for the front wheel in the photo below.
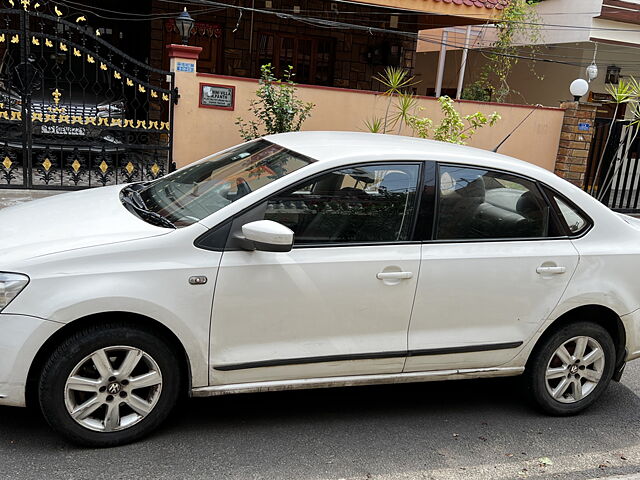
x=109, y=385
x=570, y=369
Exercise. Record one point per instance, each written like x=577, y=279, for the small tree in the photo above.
x=454, y=128
x=277, y=109
x=519, y=25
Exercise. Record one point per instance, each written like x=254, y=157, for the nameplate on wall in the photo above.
x=217, y=96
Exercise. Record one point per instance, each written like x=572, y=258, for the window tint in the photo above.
x=482, y=204
x=574, y=220
x=363, y=204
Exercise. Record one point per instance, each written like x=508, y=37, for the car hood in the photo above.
x=69, y=221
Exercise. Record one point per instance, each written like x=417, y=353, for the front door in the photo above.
x=496, y=268
x=339, y=302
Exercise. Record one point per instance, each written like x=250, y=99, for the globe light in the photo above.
x=579, y=88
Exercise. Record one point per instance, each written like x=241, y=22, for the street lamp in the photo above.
x=578, y=88
x=184, y=24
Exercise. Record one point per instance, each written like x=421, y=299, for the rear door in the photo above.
x=496, y=267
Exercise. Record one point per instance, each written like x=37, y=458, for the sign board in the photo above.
x=186, y=67
x=217, y=96
x=584, y=127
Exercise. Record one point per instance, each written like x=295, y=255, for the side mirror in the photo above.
x=268, y=236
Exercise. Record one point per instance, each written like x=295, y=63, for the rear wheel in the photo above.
x=571, y=368
x=109, y=385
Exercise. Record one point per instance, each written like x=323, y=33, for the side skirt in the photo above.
x=355, y=380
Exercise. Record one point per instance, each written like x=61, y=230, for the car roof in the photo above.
x=336, y=145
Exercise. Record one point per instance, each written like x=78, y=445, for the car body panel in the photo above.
x=85, y=254
x=21, y=339
x=68, y=221
x=148, y=277
x=312, y=302
x=462, y=298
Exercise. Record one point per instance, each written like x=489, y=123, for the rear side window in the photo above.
x=575, y=221
x=482, y=204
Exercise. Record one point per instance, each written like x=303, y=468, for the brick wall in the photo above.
x=573, y=151
x=238, y=51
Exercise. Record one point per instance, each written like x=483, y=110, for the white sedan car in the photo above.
x=308, y=260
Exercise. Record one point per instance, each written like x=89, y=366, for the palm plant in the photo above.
x=374, y=125
x=396, y=80
x=405, y=106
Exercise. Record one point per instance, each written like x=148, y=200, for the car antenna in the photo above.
x=517, y=127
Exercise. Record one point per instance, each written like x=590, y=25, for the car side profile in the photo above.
x=307, y=260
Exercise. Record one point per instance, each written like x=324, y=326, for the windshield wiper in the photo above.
x=137, y=204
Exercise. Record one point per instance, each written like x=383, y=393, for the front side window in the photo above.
x=364, y=204
x=195, y=192
x=476, y=203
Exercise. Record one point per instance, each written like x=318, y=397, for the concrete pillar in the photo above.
x=183, y=60
x=575, y=141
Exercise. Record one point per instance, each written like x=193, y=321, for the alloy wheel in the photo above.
x=575, y=369
x=113, y=388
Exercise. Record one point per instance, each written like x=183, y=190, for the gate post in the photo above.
x=575, y=141
x=183, y=60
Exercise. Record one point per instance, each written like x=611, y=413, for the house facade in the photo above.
x=87, y=95
x=572, y=35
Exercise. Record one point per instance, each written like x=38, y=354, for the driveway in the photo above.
x=450, y=430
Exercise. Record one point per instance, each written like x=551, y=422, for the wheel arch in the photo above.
x=596, y=313
x=133, y=319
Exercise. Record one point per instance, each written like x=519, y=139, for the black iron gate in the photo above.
x=75, y=112
x=615, y=181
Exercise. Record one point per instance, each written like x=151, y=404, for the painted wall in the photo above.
x=199, y=132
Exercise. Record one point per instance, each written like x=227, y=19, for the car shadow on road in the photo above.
x=343, y=432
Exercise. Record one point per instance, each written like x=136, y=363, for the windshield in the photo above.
x=196, y=191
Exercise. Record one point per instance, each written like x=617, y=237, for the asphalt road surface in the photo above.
x=446, y=430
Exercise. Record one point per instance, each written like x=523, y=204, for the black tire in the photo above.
x=543, y=355
x=71, y=352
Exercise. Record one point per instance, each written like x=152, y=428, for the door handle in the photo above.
x=394, y=275
x=544, y=270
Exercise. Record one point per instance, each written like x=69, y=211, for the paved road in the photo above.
x=450, y=430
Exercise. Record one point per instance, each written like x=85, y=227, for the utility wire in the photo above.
x=334, y=24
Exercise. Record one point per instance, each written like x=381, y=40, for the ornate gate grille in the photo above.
x=75, y=112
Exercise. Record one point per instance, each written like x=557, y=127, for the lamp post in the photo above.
x=184, y=24
x=578, y=88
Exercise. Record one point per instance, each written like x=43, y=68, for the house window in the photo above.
x=310, y=57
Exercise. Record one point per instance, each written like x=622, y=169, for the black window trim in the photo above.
x=547, y=190
x=539, y=185
x=198, y=242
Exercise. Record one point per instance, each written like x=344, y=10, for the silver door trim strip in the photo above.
x=355, y=380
